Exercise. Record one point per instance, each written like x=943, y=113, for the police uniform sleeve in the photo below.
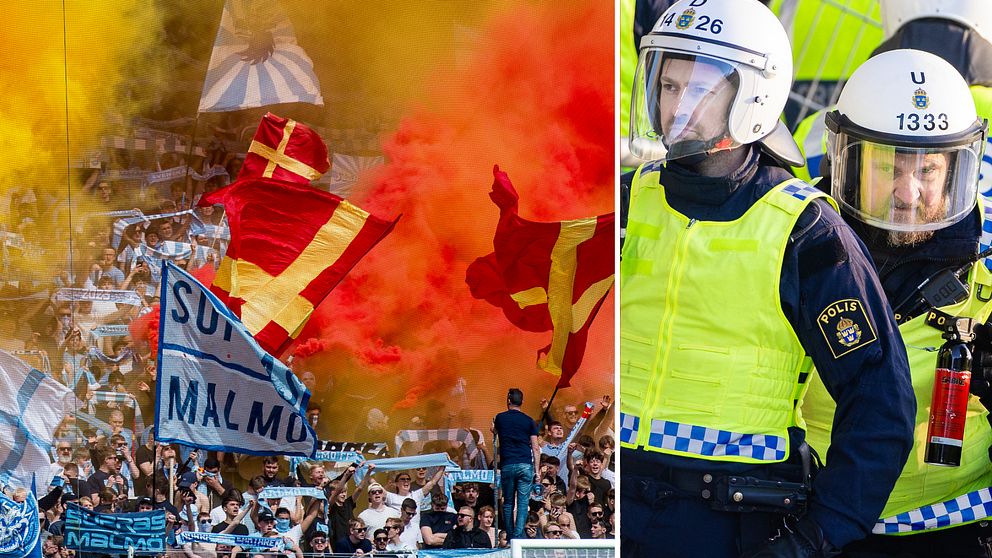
x=626, y=180
x=833, y=298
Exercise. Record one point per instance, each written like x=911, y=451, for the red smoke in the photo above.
x=534, y=95
x=144, y=329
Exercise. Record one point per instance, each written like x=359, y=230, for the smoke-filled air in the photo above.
x=442, y=90
x=532, y=94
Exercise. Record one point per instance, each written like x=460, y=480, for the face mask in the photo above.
x=282, y=525
x=66, y=321
x=204, y=526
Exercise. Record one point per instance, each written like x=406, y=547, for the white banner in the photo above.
x=32, y=405
x=339, y=456
x=244, y=541
x=274, y=492
x=120, y=297
x=217, y=389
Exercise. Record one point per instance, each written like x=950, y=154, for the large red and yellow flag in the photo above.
x=546, y=276
x=290, y=245
x=287, y=150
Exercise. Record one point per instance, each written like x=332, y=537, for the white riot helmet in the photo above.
x=905, y=143
x=974, y=14
x=712, y=75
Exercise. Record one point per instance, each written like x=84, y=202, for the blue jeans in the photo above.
x=516, y=479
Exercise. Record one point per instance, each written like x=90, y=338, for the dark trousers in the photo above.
x=657, y=520
x=956, y=542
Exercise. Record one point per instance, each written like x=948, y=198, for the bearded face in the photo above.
x=907, y=190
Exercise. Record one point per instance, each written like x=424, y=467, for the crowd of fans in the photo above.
x=407, y=511
x=105, y=457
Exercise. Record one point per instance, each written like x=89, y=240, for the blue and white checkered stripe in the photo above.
x=629, y=425
x=715, y=443
x=968, y=507
x=800, y=190
x=985, y=241
x=704, y=441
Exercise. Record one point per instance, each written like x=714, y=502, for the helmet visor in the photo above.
x=681, y=105
x=908, y=189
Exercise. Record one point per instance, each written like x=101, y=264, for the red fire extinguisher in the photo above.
x=949, y=403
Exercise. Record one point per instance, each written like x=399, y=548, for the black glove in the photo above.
x=798, y=539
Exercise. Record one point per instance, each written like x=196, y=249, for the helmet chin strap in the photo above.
x=697, y=151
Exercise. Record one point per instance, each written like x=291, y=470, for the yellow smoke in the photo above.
x=66, y=68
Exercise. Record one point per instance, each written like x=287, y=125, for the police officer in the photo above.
x=959, y=31
x=735, y=279
x=905, y=148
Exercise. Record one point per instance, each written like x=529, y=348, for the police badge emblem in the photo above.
x=845, y=326
x=920, y=99
x=848, y=332
x=685, y=20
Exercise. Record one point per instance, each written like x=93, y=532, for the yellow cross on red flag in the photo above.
x=286, y=150
x=290, y=245
x=546, y=276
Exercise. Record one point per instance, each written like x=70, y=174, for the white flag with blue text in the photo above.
x=217, y=389
x=32, y=404
x=256, y=61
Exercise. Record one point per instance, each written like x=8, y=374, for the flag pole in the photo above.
x=544, y=414
x=498, y=488
x=192, y=140
x=189, y=156
x=172, y=479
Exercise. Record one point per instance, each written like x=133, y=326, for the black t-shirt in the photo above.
x=165, y=505
x=473, y=538
x=579, y=508
x=514, y=429
x=439, y=522
x=97, y=482
x=79, y=487
x=339, y=515
x=143, y=455
x=486, y=498
x=239, y=529
x=276, y=481
x=345, y=546
x=57, y=527
x=600, y=487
